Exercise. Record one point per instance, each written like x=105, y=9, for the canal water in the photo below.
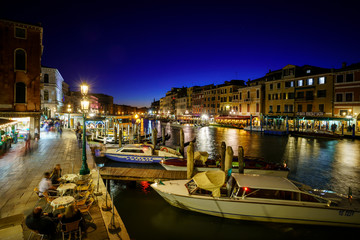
x=323, y=164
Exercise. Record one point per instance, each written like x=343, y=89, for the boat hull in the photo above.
x=135, y=159
x=276, y=173
x=271, y=211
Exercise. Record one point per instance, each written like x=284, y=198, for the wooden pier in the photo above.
x=140, y=174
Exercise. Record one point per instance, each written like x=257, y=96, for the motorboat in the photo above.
x=252, y=165
x=254, y=128
x=260, y=198
x=141, y=153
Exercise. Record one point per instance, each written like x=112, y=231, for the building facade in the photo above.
x=20, y=70
x=52, y=96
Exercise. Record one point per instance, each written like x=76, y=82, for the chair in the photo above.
x=73, y=227
x=48, y=198
x=37, y=192
x=32, y=232
x=82, y=200
x=85, y=209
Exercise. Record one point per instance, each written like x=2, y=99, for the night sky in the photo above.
x=137, y=50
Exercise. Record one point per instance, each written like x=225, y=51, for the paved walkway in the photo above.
x=21, y=172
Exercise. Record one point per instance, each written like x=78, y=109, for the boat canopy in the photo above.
x=264, y=182
x=210, y=181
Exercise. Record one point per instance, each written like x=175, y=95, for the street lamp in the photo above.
x=85, y=108
x=69, y=111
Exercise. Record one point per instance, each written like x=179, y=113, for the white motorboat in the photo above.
x=260, y=198
x=141, y=153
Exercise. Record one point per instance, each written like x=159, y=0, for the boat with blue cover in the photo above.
x=141, y=153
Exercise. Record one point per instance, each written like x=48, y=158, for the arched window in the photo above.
x=46, y=78
x=46, y=95
x=20, y=59
x=20, y=92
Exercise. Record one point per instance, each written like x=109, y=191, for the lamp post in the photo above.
x=69, y=111
x=85, y=108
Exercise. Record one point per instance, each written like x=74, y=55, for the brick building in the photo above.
x=20, y=70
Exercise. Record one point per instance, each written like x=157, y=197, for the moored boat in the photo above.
x=260, y=198
x=252, y=165
x=141, y=153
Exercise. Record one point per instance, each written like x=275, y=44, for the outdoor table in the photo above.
x=62, y=202
x=70, y=177
x=65, y=187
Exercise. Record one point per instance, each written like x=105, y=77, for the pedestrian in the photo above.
x=27, y=141
x=78, y=136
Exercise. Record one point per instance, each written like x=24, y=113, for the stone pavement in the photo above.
x=21, y=172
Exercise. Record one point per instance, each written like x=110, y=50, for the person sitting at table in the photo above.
x=55, y=175
x=73, y=214
x=41, y=222
x=45, y=185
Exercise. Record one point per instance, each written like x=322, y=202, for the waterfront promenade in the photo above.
x=21, y=172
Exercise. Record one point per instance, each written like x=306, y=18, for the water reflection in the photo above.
x=324, y=164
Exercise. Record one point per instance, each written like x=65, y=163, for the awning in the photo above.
x=233, y=117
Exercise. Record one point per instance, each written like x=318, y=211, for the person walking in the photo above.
x=78, y=136
x=27, y=141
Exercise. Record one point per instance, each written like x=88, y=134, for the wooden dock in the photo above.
x=140, y=174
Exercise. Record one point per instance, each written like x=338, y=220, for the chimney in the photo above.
x=344, y=65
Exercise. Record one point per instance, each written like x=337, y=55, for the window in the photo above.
x=278, y=85
x=308, y=71
x=257, y=107
x=257, y=93
x=321, y=107
x=340, y=78
x=291, y=95
x=240, y=108
x=300, y=95
x=289, y=84
x=20, y=94
x=20, y=32
x=339, y=97
x=248, y=107
x=20, y=59
x=309, y=107
x=271, y=86
x=299, y=108
x=321, y=80
x=349, y=97
x=291, y=108
x=300, y=83
x=270, y=108
x=240, y=96
x=321, y=93
x=46, y=95
x=309, y=95
x=349, y=77
x=310, y=81
x=46, y=78
x=269, y=96
x=277, y=108
x=284, y=96
x=248, y=94
x=286, y=108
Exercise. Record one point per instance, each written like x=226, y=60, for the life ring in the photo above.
x=164, y=149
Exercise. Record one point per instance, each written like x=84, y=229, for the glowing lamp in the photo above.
x=85, y=105
x=84, y=88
